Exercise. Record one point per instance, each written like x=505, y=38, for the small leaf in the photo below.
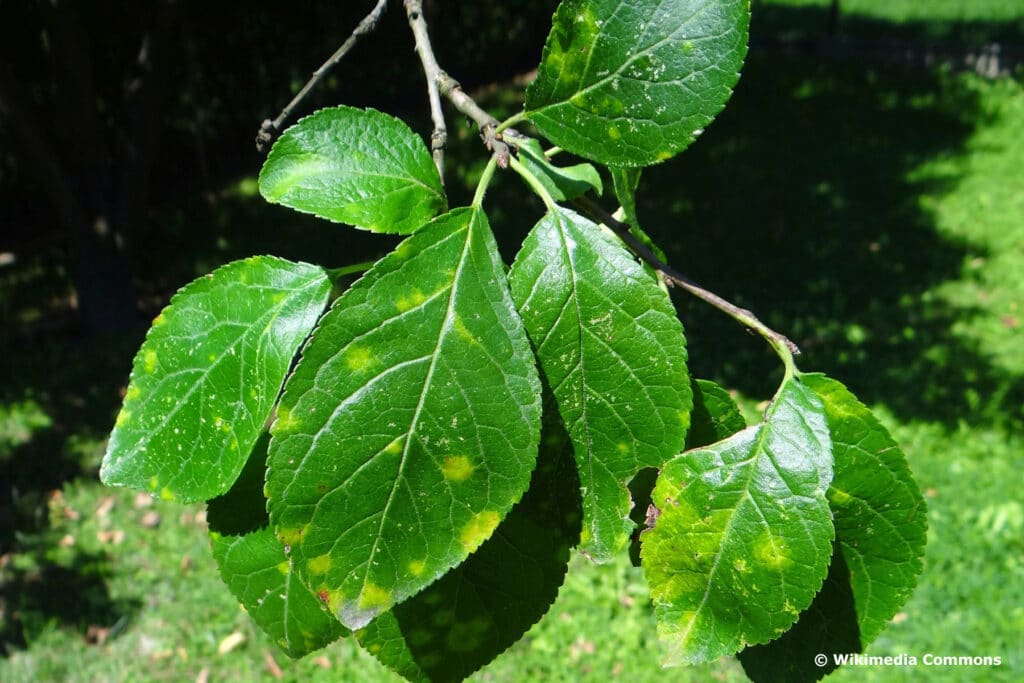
x=633, y=83
x=355, y=166
x=410, y=425
x=715, y=415
x=561, y=182
x=478, y=609
x=625, y=181
x=205, y=380
x=744, y=536
x=253, y=565
x=881, y=529
x=613, y=351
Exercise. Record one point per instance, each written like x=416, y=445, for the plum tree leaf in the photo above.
x=481, y=607
x=355, y=166
x=613, y=352
x=744, y=536
x=204, y=382
x=252, y=563
x=561, y=182
x=715, y=415
x=881, y=529
x=633, y=82
x=410, y=425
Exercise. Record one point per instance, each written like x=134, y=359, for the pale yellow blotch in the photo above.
x=740, y=565
x=839, y=498
x=374, y=648
x=373, y=597
x=585, y=535
x=578, y=100
x=622, y=447
x=277, y=297
x=211, y=357
x=149, y=361
x=462, y=330
x=283, y=567
x=291, y=537
x=771, y=553
x=457, y=468
x=166, y=494
x=395, y=447
x=319, y=565
x=664, y=155
x=411, y=300
x=154, y=483
x=159, y=320
x=359, y=358
x=285, y=421
x=614, y=133
x=122, y=418
x=416, y=567
x=132, y=394
x=478, y=529
x=335, y=600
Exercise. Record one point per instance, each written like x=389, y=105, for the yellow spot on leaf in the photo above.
x=132, y=394
x=613, y=133
x=837, y=497
x=285, y=421
x=374, y=596
x=291, y=537
x=283, y=567
x=462, y=330
x=211, y=357
x=416, y=567
x=478, y=529
x=772, y=553
x=408, y=301
x=664, y=154
x=358, y=358
x=395, y=447
x=149, y=361
x=166, y=494
x=457, y=468
x=319, y=565
x=159, y=320
x=122, y=418
x=374, y=648
x=154, y=483
x=622, y=447
x=335, y=599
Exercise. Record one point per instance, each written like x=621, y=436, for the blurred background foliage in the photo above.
x=862, y=192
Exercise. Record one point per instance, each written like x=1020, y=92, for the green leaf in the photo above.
x=410, y=425
x=205, y=380
x=355, y=166
x=632, y=83
x=481, y=607
x=881, y=529
x=613, y=351
x=253, y=565
x=562, y=183
x=715, y=415
x=625, y=181
x=744, y=536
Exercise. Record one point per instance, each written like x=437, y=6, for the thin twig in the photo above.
x=270, y=128
x=439, y=138
x=672, y=277
x=450, y=88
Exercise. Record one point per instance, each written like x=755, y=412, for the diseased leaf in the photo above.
x=355, y=166
x=253, y=565
x=205, y=380
x=744, y=536
x=715, y=415
x=478, y=609
x=633, y=82
x=410, y=426
x=561, y=182
x=613, y=351
x=881, y=529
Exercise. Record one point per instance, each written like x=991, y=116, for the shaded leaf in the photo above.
x=632, y=83
x=881, y=529
x=744, y=536
x=715, y=415
x=253, y=565
x=561, y=182
x=478, y=609
x=205, y=380
x=355, y=166
x=410, y=426
x=613, y=351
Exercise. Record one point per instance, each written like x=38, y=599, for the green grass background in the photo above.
x=875, y=214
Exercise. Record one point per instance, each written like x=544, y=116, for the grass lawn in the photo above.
x=875, y=215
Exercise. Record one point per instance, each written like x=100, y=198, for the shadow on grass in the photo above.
x=801, y=203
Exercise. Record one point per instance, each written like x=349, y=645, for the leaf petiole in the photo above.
x=485, y=180
x=337, y=273
x=533, y=182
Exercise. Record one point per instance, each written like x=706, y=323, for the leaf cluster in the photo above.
x=412, y=462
